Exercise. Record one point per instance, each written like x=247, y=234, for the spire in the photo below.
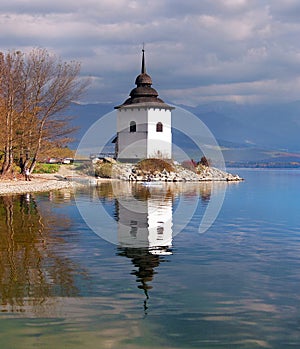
x=143, y=93
x=143, y=71
x=143, y=78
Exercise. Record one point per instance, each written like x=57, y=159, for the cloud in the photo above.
x=250, y=47
x=247, y=92
x=286, y=11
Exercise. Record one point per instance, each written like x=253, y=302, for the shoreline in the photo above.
x=66, y=177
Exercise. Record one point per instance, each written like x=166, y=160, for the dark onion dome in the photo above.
x=143, y=79
x=144, y=95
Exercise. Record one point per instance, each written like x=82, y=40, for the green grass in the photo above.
x=46, y=168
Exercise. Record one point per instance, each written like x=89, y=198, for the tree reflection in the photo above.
x=30, y=269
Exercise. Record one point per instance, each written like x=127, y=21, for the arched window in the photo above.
x=132, y=126
x=159, y=127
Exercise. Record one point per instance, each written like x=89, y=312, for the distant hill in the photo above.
x=247, y=133
x=84, y=115
x=272, y=126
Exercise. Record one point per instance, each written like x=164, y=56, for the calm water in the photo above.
x=235, y=286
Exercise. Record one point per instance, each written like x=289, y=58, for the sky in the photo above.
x=197, y=51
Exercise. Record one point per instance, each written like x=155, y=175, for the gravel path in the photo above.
x=38, y=183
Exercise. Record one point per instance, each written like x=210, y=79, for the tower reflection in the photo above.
x=145, y=219
x=144, y=216
x=145, y=263
x=145, y=223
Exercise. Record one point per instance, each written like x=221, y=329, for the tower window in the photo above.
x=132, y=126
x=159, y=127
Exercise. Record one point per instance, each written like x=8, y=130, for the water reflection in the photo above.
x=144, y=224
x=31, y=271
x=144, y=212
x=236, y=286
x=144, y=216
x=41, y=261
x=145, y=264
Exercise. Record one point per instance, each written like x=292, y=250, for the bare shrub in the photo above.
x=103, y=170
x=152, y=165
x=204, y=161
x=189, y=165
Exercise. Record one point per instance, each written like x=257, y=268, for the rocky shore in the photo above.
x=67, y=178
x=128, y=172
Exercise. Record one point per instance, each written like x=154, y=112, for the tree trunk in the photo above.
x=8, y=163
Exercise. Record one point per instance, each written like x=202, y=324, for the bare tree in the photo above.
x=11, y=66
x=35, y=90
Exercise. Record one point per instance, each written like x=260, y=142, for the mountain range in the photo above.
x=264, y=133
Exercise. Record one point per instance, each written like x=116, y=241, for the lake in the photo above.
x=130, y=266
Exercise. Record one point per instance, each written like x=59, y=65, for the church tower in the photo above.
x=143, y=123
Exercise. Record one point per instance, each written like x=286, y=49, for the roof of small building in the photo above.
x=144, y=95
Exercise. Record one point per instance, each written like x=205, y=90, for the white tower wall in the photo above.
x=159, y=144
x=145, y=142
x=132, y=145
